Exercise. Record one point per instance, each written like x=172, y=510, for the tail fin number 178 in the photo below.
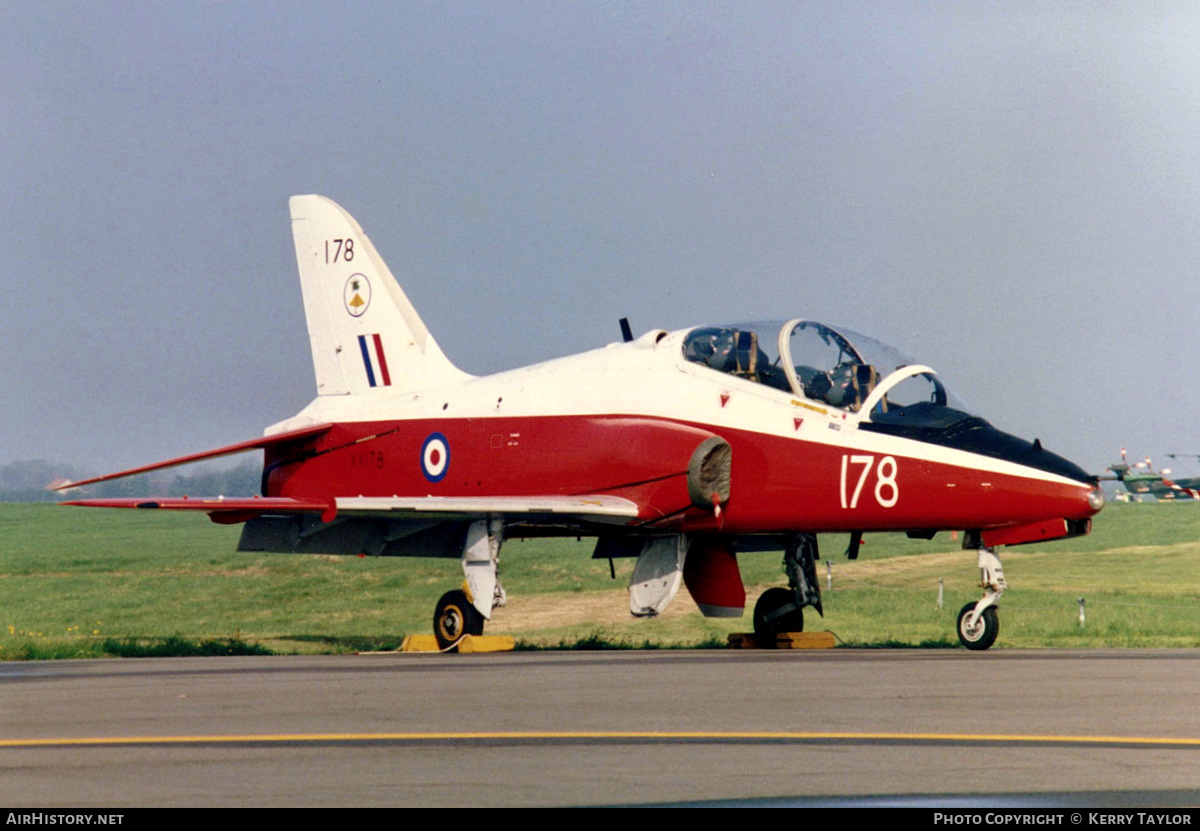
x=339, y=249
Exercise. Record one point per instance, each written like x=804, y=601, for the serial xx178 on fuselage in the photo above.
x=683, y=449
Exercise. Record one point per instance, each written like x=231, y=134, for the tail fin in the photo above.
x=365, y=334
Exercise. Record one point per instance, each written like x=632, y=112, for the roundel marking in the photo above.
x=435, y=457
x=357, y=295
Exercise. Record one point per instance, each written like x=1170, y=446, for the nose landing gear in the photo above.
x=978, y=623
x=982, y=632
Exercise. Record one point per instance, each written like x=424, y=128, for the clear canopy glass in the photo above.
x=827, y=364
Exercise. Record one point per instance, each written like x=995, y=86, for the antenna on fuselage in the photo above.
x=626, y=332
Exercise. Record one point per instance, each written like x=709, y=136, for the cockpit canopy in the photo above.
x=852, y=373
x=833, y=366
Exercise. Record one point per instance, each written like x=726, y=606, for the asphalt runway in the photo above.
x=856, y=727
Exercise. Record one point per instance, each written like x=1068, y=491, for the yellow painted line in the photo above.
x=806, y=406
x=530, y=735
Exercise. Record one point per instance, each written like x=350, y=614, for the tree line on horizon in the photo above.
x=30, y=481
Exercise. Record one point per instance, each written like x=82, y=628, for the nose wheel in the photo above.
x=454, y=617
x=981, y=632
x=978, y=623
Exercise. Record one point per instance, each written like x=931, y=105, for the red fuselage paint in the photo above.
x=779, y=484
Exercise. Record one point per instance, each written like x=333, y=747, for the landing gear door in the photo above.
x=657, y=575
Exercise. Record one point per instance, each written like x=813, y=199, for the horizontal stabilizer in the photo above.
x=241, y=447
x=261, y=504
x=221, y=510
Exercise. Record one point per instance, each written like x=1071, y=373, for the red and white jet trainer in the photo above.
x=679, y=448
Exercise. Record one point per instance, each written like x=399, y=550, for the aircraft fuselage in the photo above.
x=623, y=420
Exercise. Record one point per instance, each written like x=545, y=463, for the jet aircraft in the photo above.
x=1141, y=479
x=681, y=449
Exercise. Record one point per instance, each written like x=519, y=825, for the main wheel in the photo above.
x=985, y=631
x=455, y=617
x=767, y=620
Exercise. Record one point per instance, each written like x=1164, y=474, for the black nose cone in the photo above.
x=962, y=431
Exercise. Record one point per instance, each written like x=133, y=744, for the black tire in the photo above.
x=770, y=602
x=985, y=632
x=455, y=617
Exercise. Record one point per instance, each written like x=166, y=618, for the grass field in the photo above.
x=85, y=583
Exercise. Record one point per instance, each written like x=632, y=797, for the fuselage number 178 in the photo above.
x=886, y=490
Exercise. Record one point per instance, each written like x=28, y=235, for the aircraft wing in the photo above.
x=225, y=510
x=592, y=507
x=595, y=507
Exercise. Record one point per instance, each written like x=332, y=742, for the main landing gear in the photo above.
x=455, y=617
x=463, y=611
x=782, y=610
x=978, y=623
x=776, y=611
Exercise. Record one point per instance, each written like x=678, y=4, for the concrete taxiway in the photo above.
x=1023, y=727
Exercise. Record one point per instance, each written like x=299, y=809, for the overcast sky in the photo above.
x=1009, y=193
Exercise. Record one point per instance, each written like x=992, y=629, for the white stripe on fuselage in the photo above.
x=643, y=379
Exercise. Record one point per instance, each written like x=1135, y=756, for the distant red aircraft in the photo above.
x=682, y=449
